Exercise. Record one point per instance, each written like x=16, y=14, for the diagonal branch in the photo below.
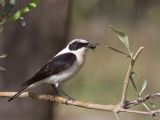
x=141, y=100
x=125, y=86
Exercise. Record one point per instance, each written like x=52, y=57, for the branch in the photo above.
x=149, y=113
x=141, y=100
x=61, y=100
x=116, y=114
x=125, y=86
x=110, y=108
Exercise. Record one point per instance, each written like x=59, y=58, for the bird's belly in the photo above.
x=65, y=75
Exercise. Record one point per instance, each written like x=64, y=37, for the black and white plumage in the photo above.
x=61, y=67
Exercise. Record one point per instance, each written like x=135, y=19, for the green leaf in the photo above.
x=122, y=36
x=131, y=78
x=116, y=50
x=1, y=68
x=32, y=5
x=144, y=85
x=2, y=3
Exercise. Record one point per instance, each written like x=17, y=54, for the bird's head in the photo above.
x=77, y=44
x=80, y=46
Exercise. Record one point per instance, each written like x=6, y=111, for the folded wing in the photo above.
x=55, y=65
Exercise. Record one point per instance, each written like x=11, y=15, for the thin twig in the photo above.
x=146, y=106
x=116, y=114
x=123, y=100
x=149, y=113
x=141, y=100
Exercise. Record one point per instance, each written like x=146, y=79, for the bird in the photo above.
x=62, y=67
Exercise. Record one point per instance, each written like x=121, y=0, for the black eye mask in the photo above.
x=77, y=45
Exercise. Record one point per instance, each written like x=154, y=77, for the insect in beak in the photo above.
x=92, y=46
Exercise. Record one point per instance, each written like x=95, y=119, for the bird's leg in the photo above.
x=69, y=98
x=55, y=89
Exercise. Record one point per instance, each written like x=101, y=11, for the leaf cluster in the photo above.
x=5, y=9
x=124, y=39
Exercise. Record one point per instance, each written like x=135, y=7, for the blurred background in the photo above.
x=51, y=25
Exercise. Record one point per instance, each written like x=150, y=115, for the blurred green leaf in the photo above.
x=122, y=36
x=32, y=5
x=144, y=85
x=116, y=50
x=133, y=74
x=2, y=3
x=1, y=68
x=10, y=6
x=13, y=2
x=131, y=78
x=3, y=55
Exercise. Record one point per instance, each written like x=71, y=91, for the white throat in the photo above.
x=81, y=55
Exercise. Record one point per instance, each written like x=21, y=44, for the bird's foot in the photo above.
x=56, y=95
x=68, y=99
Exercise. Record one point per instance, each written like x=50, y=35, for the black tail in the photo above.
x=18, y=94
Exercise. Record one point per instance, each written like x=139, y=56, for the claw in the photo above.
x=56, y=95
x=68, y=99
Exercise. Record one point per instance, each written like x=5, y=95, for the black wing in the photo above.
x=54, y=66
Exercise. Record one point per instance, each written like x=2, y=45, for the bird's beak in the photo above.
x=92, y=46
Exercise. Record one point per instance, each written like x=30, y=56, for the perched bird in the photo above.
x=61, y=67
